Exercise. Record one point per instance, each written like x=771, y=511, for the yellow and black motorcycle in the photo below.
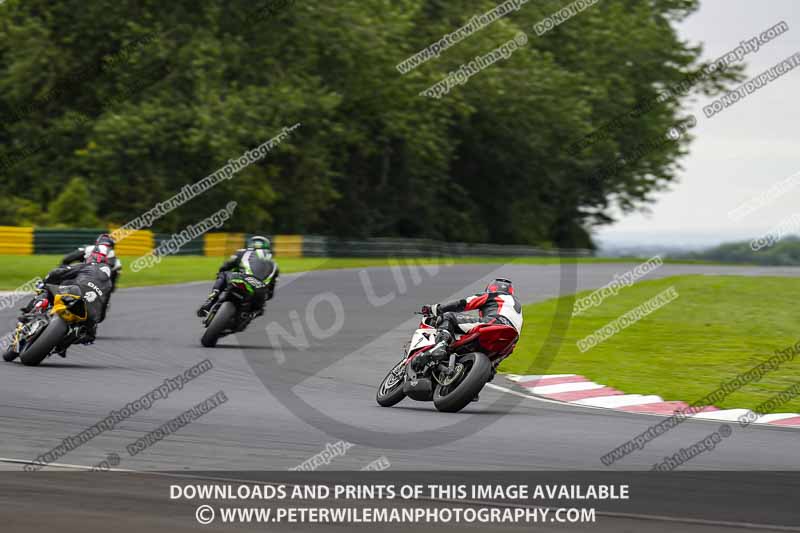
x=49, y=329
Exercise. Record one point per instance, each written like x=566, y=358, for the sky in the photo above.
x=737, y=154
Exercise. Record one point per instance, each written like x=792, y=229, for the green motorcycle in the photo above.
x=237, y=306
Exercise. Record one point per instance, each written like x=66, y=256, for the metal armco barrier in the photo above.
x=220, y=244
x=25, y=241
x=318, y=246
x=62, y=241
x=16, y=240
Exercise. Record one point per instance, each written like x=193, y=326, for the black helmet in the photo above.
x=500, y=285
x=259, y=243
x=105, y=239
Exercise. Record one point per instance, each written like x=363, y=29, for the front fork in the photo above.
x=17, y=335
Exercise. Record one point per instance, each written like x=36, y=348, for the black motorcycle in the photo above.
x=236, y=307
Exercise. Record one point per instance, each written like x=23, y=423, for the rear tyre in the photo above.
x=455, y=396
x=218, y=324
x=35, y=352
x=390, y=391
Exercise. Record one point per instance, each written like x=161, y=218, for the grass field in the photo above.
x=717, y=328
x=16, y=270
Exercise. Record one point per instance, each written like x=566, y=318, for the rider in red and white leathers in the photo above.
x=497, y=304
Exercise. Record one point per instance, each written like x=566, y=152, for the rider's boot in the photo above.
x=437, y=352
x=28, y=307
x=209, y=303
x=89, y=334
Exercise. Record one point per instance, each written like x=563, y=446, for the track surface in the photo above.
x=151, y=334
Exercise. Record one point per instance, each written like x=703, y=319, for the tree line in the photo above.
x=111, y=106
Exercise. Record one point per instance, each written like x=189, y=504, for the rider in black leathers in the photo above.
x=82, y=253
x=255, y=260
x=94, y=280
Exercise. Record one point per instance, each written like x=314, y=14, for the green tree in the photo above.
x=147, y=96
x=74, y=207
x=16, y=211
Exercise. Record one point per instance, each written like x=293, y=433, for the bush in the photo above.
x=74, y=207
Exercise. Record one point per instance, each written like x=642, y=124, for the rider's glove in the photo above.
x=39, y=286
x=430, y=310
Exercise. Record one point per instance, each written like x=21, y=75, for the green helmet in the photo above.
x=258, y=242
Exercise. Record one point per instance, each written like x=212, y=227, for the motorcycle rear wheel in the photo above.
x=35, y=352
x=390, y=391
x=454, y=397
x=218, y=324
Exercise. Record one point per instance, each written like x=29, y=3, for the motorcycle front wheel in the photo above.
x=218, y=324
x=10, y=354
x=390, y=391
x=472, y=372
x=35, y=351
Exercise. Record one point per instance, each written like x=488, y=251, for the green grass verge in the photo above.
x=18, y=269
x=718, y=327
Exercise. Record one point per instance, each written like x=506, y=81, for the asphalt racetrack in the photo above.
x=152, y=334
x=304, y=377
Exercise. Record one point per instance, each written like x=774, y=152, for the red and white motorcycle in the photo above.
x=452, y=384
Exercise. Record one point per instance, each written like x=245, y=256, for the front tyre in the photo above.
x=10, y=354
x=35, y=352
x=476, y=369
x=390, y=391
x=218, y=324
